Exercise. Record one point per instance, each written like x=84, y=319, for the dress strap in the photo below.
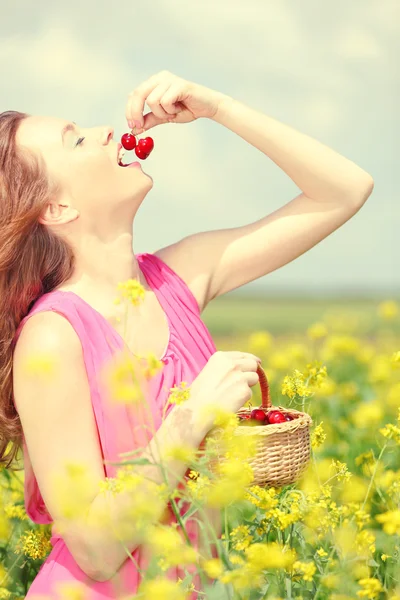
x=167, y=283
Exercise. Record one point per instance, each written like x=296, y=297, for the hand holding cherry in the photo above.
x=172, y=100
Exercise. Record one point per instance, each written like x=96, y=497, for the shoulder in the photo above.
x=47, y=332
x=180, y=257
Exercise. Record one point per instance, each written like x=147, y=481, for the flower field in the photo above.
x=334, y=534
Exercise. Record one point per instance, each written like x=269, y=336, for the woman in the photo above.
x=66, y=242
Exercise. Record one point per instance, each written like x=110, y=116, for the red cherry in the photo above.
x=258, y=414
x=288, y=418
x=128, y=141
x=244, y=417
x=146, y=144
x=140, y=153
x=275, y=416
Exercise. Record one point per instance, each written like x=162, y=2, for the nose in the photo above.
x=108, y=134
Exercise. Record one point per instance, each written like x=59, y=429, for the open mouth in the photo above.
x=120, y=157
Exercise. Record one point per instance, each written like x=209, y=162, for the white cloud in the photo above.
x=356, y=43
x=321, y=114
x=57, y=58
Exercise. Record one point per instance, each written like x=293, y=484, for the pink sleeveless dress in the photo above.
x=189, y=347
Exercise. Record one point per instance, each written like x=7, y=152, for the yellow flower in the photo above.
x=395, y=360
x=330, y=581
x=315, y=373
x=355, y=490
x=242, y=578
x=264, y=498
x=153, y=365
x=181, y=452
x=167, y=543
x=326, y=388
x=293, y=385
x=262, y=556
x=149, y=499
x=260, y=342
x=298, y=351
x=198, y=488
x=366, y=458
x=73, y=488
x=384, y=557
x=349, y=390
x=341, y=471
x=41, y=365
x=344, y=537
x=307, y=570
x=321, y=552
x=366, y=353
x=367, y=414
x=179, y=393
x=393, y=396
x=123, y=379
x=317, y=331
x=388, y=310
x=365, y=542
x=234, y=477
x=15, y=512
x=390, y=521
x=241, y=537
x=337, y=346
x=213, y=567
x=133, y=290
x=69, y=590
x=371, y=587
x=318, y=436
x=161, y=589
x=35, y=544
x=380, y=369
x=391, y=431
x=279, y=360
x=360, y=571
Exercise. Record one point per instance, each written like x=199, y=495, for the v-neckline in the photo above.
x=160, y=302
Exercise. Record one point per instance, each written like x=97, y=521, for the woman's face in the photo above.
x=85, y=163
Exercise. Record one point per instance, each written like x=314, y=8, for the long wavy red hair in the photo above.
x=33, y=261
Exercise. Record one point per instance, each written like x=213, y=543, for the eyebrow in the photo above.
x=68, y=127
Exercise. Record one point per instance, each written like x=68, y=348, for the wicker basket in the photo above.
x=283, y=449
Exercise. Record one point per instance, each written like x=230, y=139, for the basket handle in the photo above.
x=264, y=386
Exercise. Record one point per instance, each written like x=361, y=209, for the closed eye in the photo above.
x=80, y=140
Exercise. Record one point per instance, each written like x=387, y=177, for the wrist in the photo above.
x=223, y=108
x=199, y=422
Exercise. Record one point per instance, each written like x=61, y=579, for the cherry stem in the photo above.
x=137, y=134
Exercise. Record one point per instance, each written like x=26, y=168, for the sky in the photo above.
x=329, y=70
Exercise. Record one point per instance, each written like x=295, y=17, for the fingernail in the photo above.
x=138, y=124
x=137, y=131
x=131, y=125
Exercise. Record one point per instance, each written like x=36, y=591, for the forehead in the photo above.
x=41, y=131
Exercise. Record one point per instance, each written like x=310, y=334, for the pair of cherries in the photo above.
x=142, y=148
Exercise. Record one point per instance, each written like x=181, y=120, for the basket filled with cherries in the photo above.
x=282, y=439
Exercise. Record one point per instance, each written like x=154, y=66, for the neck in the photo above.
x=102, y=263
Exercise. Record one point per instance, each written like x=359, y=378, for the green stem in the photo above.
x=223, y=556
x=226, y=531
x=179, y=519
x=373, y=474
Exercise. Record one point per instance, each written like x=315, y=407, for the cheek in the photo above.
x=93, y=177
